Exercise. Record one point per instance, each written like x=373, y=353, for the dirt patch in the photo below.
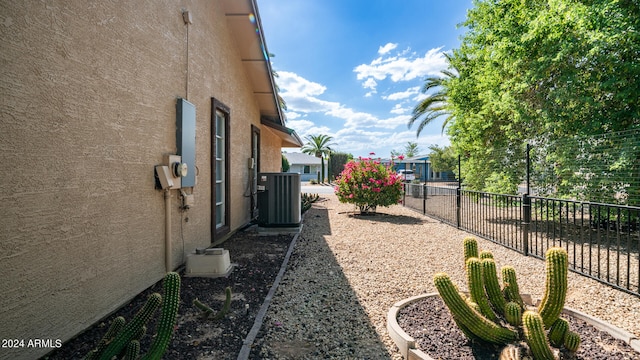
x=258, y=259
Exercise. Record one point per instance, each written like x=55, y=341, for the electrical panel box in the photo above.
x=186, y=139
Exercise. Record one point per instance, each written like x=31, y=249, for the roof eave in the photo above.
x=244, y=20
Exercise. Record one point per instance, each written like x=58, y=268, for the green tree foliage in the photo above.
x=285, y=164
x=338, y=160
x=443, y=158
x=540, y=72
x=318, y=146
x=411, y=149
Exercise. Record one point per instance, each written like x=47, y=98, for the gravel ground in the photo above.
x=347, y=271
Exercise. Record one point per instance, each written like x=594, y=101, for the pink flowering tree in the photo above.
x=368, y=184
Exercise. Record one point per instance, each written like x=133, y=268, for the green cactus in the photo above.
x=492, y=285
x=132, y=328
x=208, y=313
x=476, y=288
x=556, y=263
x=486, y=254
x=510, y=286
x=557, y=332
x=535, y=336
x=227, y=304
x=116, y=325
x=510, y=353
x=170, y=305
x=133, y=350
x=474, y=322
x=307, y=199
x=470, y=248
x=572, y=341
x=513, y=313
x=206, y=310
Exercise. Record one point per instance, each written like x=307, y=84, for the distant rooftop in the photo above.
x=299, y=158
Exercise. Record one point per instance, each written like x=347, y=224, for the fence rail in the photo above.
x=602, y=240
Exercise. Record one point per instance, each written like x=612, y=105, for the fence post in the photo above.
x=526, y=223
x=458, y=193
x=526, y=206
x=424, y=199
x=458, y=207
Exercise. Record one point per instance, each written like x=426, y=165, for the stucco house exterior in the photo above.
x=95, y=95
x=307, y=166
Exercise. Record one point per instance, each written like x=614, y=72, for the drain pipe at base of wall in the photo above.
x=167, y=230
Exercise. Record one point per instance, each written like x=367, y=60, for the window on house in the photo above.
x=307, y=169
x=220, y=169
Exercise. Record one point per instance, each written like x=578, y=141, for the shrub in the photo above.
x=368, y=184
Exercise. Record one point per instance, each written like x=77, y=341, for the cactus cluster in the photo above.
x=123, y=339
x=498, y=315
x=306, y=200
x=209, y=313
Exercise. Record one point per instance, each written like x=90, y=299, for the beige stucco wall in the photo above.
x=87, y=94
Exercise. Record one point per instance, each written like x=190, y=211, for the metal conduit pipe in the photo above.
x=167, y=230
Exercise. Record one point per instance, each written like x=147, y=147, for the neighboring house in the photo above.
x=91, y=92
x=421, y=165
x=307, y=166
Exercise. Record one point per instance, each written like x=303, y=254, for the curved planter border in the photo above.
x=407, y=344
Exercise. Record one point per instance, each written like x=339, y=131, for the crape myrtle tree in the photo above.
x=541, y=72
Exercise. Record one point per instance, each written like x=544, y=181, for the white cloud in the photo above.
x=386, y=48
x=398, y=109
x=369, y=84
x=403, y=94
x=291, y=83
x=403, y=68
x=354, y=131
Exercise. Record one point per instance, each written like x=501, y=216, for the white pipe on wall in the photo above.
x=167, y=230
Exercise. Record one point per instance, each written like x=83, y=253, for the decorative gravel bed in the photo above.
x=347, y=271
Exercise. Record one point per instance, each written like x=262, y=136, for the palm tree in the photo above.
x=318, y=146
x=434, y=105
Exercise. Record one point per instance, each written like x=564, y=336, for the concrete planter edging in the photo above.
x=407, y=344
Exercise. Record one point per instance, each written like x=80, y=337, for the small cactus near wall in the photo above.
x=306, y=200
x=491, y=313
x=209, y=313
x=122, y=340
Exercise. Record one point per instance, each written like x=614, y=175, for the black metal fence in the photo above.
x=602, y=240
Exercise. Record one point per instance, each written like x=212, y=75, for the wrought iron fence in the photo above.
x=602, y=240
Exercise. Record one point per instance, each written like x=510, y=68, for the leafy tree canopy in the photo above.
x=540, y=72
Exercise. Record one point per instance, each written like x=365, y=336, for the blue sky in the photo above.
x=353, y=69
